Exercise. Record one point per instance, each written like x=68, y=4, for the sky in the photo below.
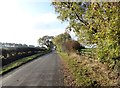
x=25, y=21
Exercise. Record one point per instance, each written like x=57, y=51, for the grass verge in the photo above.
x=19, y=62
x=88, y=72
x=78, y=73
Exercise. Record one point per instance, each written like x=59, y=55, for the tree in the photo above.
x=94, y=23
x=73, y=12
x=46, y=41
x=104, y=17
x=60, y=39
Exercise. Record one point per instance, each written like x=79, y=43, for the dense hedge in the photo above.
x=14, y=53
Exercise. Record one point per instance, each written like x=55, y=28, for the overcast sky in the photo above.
x=24, y=21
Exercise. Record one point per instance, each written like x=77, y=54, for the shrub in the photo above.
x=72, y=46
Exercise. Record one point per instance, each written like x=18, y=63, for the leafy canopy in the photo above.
x=94, y=23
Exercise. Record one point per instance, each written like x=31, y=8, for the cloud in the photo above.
x=19, y=26
x=46, y=18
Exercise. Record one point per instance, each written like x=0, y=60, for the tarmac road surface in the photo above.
x=44, y=71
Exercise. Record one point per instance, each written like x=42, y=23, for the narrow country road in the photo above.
x=44, y=71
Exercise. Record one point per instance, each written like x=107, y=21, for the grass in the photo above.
x=89, y=72
x=18, y=63
x=77, y=71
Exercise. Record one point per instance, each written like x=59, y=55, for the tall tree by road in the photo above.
x=94, y=23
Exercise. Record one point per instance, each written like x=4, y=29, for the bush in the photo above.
x=72, y=46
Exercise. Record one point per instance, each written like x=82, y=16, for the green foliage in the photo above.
x=17, y=63
x=89, y=52
x=46, y=41
x=60, y=40
x=94, y=23
x=103, y=17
